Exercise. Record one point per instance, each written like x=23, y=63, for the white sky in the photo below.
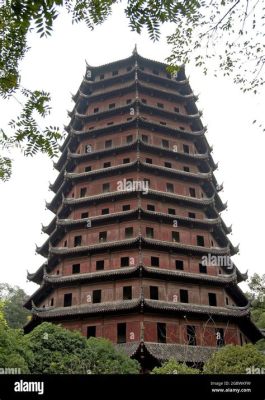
x=57, y=65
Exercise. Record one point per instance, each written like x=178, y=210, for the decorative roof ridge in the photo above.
x=176, y=114
x=225, y=278
x=97, y=171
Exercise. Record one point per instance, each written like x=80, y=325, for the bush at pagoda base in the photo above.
x=174, y=367
x=57, y=350
x=236, y=360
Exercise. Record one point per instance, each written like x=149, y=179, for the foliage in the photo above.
x=13, y=298
x=174, y=367
x=234, y=360
x=13, y=353
x=257, y=298
x=59, y=351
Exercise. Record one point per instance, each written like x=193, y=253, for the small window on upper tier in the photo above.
x=145, y=138
x=75, y=268
x=108, y=143
x=83, y=192
x=176, y=109
x=128, y=232
x=84, y=215
x=112, y=105
x=162, y=123
x=129, y=138
x=102, y=236
x=149, y=160
x=168, y=164
x=107, y=164
x=124, y=261
x=170, y=187
x=126, y=207
x=200, y=240
x=191, y=215
x=154, y=261
x=186, y=149
x=192, y=192
x=182, y=128
x=114, y=73
x=172, y=211
x=121, y=333
x=88, y=168
x=77, y=240
x=127, y=292
x=186, y=169
x=96, y=109
x=179, y=265
x=126, y=161
x=165, y=143
x=154, y=292
x=67, y=301
x=183, y=295
x=96, y=296
x=202, y=269
x=105, y=187
x=101, y=76
x=212, y=299
x=150, y=207
x=105, y=211
x=175, y=236
x=144, y=101
x=149, y=232
x=100, y=265
x=128, y=101
x=160, y=105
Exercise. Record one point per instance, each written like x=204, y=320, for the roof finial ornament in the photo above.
x=135, y=49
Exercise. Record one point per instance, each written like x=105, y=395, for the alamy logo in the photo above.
x=218, y=261
x=23, y=386
x=15, y=371
x=133, y=186
x=255, y=370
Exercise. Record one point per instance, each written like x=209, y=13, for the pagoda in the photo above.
x=137, y=212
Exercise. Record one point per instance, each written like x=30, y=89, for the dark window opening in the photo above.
x=171, y=211
x=101, y=76
x=105, y=187
x=192, y=215
x=149, y=232
x=102, y=236
x=52, y=302
x=186, y=169
x=160, y=105
x=129, y=138
x=179, y=265
x=128, y=101
x=126, y=161
x=175, y=236
x=176, y=109
x=191, y=335
x=129, y=232
x=88, y=168
x=192, y=192
x=154, y=261
x=112, y=105
x=115, y=73
x=168, y=164
x=126, y=207
x=108, y=143
x=96, y=109
x=83, y=192
x=96, y=296
x=154, y=292
x=84, y=215
x=186, y=148
x=105, y=211
x=144, y=101
x=212, y=299
x=99, y=265
x=202, y=269
x=76, y=268
x=183, y=296
x=170, y=187
x=127, y=292
x=165, y=143
x=67, y=300
x=150, y=207
x=200, y=240
x=145, y=138
x=124, y=261
x=77, y=241
x=121, y=333
x=107, y=164
x=182, y=128
x=91, y=332
x=149, y=160
x=161, y=332
x=162, y=122
x=65, y=243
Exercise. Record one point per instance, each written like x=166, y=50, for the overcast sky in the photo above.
x=57, y=65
